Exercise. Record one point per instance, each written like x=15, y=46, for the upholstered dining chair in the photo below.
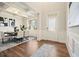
x=1, y=37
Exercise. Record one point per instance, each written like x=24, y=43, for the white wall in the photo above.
x=51, y=8
x=18, y=20
x=61, y=26
x=60, y=34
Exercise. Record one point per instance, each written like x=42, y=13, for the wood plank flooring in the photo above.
x=28, y=48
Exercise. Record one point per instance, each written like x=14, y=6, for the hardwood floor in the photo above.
x=28, y=48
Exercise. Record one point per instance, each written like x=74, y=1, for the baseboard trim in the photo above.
x=53, y=41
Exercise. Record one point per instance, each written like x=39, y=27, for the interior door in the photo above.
x=50, y=32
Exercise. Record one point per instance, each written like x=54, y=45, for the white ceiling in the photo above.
x=35, y=7
x=18, y=8
x=46, y=6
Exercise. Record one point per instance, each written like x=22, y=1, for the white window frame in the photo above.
x=51, y=23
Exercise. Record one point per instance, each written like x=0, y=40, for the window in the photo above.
x=33, y=24
x=51, y=23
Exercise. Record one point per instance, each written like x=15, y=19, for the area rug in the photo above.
x=45, y=51
x=10, y=45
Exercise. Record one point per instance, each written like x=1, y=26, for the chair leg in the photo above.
x=2, y=41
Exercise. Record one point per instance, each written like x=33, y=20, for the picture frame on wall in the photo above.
x=1, y=22
x=6, y=22
x=11, y=22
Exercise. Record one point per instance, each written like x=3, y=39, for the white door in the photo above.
x=50, y=32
